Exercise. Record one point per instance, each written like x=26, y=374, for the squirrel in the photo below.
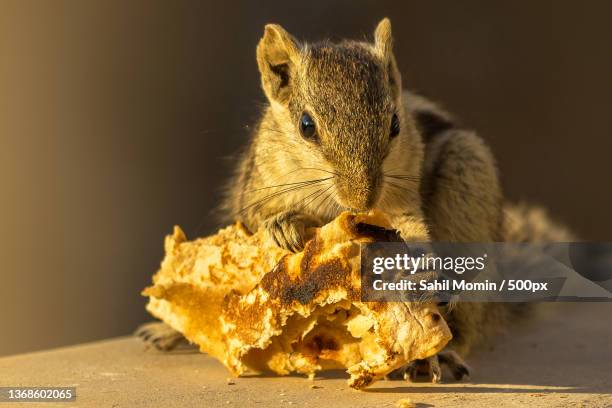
x=340, y=133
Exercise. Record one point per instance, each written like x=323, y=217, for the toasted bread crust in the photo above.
x=303, y=315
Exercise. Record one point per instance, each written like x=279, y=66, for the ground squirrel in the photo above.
x=340, y=133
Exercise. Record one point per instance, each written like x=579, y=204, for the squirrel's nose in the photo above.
x=359, y=195
x=364, y=200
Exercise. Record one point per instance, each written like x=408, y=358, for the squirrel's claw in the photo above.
x=430, y=368
x=159, y=335
x=455, y=364
x=289, y=229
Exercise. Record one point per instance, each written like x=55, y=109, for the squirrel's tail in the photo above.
x=475, y=323
x=530, y=223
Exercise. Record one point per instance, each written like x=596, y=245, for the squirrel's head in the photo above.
x=339, y=108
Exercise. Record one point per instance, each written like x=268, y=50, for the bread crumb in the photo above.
x=405, y=403
x=230, y=381
x=314, y=387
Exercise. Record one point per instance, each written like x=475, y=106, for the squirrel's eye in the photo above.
x=395, y=126
x=307, y=127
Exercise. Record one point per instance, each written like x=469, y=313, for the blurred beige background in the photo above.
x=116, y=117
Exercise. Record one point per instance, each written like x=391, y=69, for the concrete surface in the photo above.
x=564, y=358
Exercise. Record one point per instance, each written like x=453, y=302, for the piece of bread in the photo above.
x=256, y=307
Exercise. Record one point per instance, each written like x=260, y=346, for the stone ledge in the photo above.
x=562, y=359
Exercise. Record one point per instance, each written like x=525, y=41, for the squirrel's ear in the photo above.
x=383, y=44
x=383, y=39
x=277, y=53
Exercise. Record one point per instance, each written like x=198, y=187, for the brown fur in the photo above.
x=446, y=189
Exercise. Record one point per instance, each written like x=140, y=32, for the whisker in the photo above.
x=439, y=182
x=277, y=193
x=403, y=177
x=288, y=184
x=317, y=196
x=325, y=200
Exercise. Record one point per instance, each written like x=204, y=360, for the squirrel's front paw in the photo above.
x=289, y=229
x=159, y=335
x=430, y=368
